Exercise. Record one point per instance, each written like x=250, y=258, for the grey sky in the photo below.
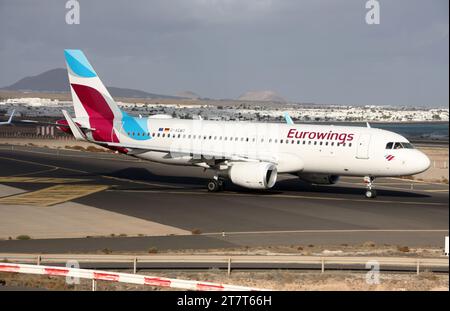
x=310, y=51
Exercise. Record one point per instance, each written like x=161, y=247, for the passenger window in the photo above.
x=389, y=145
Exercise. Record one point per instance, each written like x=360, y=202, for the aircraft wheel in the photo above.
x=213, y=186
x=371, y=194
x=221, y=185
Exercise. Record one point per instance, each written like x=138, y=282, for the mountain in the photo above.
x=188, y=94
x=56, y=81
x=262, y=96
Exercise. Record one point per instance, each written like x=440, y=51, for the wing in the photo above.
x=201, y=154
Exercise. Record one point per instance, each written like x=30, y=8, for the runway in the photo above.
x=292, y=213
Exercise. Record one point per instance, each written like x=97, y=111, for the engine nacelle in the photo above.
x=319, y=179
x=253, y=175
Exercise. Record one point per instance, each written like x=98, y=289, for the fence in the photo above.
x=314, y=262
x=96, y=275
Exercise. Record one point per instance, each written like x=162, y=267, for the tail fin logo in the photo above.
x=78, y=64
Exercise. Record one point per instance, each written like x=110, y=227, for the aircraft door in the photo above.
x=362, y=151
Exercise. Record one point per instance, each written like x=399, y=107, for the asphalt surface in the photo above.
x=292, y=213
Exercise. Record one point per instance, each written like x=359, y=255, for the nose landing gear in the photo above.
x=370, y=193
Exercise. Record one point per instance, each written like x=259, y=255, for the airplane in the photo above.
x=249, y=154
x=9, y=120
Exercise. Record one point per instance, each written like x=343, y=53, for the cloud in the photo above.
x=312, y=50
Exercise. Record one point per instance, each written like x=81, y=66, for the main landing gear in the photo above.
x=370, y=193
x=216, y=184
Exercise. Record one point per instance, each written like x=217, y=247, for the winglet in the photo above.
x=9, y=120
x=288, y=119
x=11, y=116
x=76, y=131
x=368, y=125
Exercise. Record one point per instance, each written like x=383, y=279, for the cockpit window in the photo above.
x=398, y=146
x=407, y=146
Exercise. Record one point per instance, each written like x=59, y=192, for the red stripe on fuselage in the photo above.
x=101, y=117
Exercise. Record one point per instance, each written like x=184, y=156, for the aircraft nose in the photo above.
x=422, y=162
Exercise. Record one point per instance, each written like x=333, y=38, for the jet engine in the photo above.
x=319, y=179
x=253, y=175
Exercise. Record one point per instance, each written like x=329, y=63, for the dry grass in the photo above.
x=152, y=250
x=276, y=280
x=23, y=237
x=403, y=249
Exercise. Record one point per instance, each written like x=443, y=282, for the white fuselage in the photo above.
x=302, y=148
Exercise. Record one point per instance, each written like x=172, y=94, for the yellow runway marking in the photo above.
x=39, y=180
x=406, y=188
x=52, y=195
x=85, y=172
x=436, y=190
x=418, y=181
x=36, y=172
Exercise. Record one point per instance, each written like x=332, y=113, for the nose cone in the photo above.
x=421, y=163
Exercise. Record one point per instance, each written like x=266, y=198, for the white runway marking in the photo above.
x=332, y=231
x=286, y=196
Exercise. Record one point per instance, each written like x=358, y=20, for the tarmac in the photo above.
x=73, y=201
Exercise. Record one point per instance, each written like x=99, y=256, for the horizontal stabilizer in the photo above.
x=76, y=131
